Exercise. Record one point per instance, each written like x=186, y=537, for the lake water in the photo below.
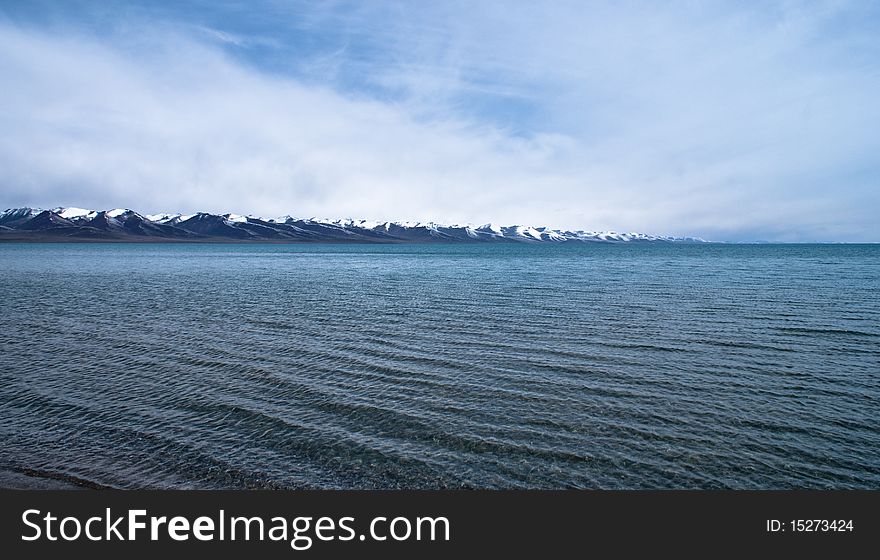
x=441, y=366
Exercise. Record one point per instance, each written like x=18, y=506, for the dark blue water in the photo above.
x=441, y=366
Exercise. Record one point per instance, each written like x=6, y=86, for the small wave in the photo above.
x=68, y=479
x=813, y=331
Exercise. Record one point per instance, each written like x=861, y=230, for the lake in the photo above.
x=441, y=366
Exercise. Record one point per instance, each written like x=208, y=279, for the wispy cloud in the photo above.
x=723, y=121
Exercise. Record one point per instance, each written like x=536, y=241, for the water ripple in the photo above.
x=229, y=366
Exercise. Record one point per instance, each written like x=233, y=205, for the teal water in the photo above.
x=442, y=366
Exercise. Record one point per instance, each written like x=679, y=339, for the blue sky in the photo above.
x=734, y=121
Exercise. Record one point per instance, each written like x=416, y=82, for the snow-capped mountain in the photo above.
x=122, y=224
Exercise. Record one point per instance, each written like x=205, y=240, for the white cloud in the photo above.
x=185, y=127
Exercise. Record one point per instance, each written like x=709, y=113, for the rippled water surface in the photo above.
x=441, y=366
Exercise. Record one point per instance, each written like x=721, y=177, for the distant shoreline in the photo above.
x=227, y=241
x=209, y=240
x=9, y=238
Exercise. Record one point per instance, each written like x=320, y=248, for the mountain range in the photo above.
x=77, y=224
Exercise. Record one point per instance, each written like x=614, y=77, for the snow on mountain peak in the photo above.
x=72, y=212
x=161, y=218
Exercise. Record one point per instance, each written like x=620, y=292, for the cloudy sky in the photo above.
x=730, y=120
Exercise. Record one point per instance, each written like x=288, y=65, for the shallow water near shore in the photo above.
x=441, y=366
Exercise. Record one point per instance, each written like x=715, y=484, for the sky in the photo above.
x=731, y=121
